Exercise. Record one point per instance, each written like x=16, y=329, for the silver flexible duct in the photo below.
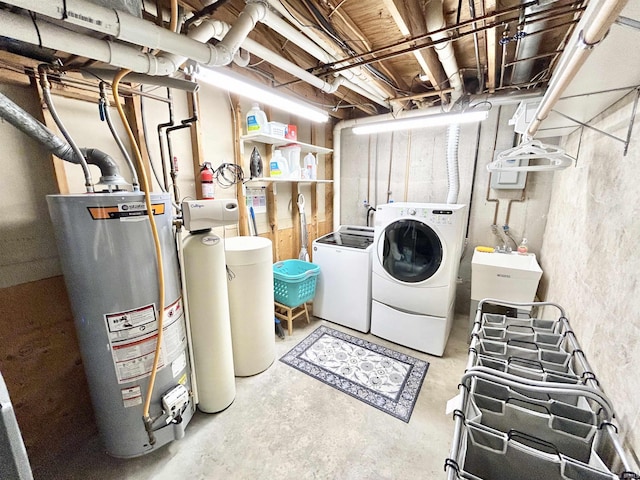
x=31, y=127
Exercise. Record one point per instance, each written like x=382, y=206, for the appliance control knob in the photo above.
x=412, y=211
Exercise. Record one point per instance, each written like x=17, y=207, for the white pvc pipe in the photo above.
x=52, y=36
x=435, y=21
x=131, y=29
x=592, y=28
x=355, y=75
x=276, y=60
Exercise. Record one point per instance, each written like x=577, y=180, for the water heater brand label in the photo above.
x=125, y=211
x=133, y=335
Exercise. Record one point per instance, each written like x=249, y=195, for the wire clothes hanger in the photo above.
x=510, y=160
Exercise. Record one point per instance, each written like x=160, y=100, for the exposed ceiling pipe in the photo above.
x=528, y=47
x=355, y=76
x=435, y=21
x=591, y=30
x=331, y=49
x=131, y=29
x=20, y=27
x=217, y=29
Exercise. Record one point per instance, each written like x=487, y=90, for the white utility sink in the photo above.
x=505, y=276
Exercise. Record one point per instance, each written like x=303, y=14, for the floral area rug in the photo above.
x=377, y=375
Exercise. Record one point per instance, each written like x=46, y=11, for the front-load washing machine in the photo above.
x=343, y=289
x=417, y=249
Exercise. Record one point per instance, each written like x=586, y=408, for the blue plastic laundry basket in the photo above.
x=294, y=282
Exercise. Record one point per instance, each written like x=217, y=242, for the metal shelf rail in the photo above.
x=531, y=406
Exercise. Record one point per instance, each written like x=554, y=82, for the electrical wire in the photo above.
x=228, y=174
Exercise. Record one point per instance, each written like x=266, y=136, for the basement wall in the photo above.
x=589, y=259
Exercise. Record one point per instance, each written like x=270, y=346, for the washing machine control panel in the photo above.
x=441, y=217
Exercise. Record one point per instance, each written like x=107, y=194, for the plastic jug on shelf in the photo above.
x=256, y=121
x=310, y=171
x=278, y=165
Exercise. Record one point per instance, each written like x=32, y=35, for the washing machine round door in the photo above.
x=411, y=251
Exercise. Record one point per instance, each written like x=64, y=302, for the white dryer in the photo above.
x=417, y=248
x=343, y=289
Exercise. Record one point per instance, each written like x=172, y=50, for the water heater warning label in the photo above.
x=133, y=335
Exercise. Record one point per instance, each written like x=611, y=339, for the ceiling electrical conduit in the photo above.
x=131, y=29
x=590, y=31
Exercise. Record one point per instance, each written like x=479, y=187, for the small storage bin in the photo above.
x=294, y=282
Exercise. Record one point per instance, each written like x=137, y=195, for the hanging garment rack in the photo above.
x=510, y=160
x=546, y=384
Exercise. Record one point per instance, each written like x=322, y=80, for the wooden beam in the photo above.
x=295, y=219
x=133, y=112
x=272, y=213
x=237, y=155
x=329, y=174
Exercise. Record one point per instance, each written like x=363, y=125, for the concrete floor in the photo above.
x=284, y=424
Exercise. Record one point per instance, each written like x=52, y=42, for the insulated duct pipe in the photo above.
x=504, y=99
x=131, y=29
x=591, y=30
x=31, y=127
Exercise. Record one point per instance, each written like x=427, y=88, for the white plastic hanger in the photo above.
x=509, y=160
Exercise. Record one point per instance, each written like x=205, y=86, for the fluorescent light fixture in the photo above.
x=233, y=82
x=436, y=120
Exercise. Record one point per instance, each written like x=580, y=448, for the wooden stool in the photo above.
x=289, y=314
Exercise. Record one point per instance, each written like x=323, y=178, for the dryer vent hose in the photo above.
x=453, y=172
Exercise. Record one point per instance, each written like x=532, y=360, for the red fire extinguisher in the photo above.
x=206, y=180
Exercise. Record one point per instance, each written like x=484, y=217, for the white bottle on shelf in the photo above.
x=256, y=121
x=310, y=169
x=278, y=166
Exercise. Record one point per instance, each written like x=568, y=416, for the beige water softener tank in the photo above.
x=206, y=286
x=250, y=285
